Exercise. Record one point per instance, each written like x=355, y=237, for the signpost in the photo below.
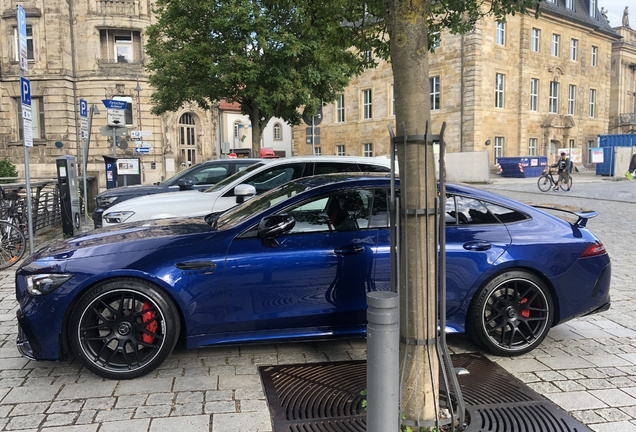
x=25, y=106
x=115, y=116
x=83, y=109
x=313, y=133
x=142, y=150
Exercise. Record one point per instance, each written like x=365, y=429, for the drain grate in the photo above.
x=325, y=397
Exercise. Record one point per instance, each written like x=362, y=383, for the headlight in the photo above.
x=106, y=201
x=41, y=284
x=117, y=217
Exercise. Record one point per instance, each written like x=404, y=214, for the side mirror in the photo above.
x=185, y=183
x=243, y=192
x=273, y=226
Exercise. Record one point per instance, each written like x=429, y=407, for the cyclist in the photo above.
x=564, y=167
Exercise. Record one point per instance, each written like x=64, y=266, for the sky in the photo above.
x=615, y=11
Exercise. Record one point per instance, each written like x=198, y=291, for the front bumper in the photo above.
x=26, y=342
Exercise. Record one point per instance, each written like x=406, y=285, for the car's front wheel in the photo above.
x=511, y=314
x=124, y=328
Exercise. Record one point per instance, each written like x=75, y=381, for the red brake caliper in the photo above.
x=151, y=327
x=526, y=312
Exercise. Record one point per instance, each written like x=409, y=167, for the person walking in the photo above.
x=564, y=168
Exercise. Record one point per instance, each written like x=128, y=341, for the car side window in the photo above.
x=210, y=175
x=374, y=168
x=334, y=167
x=380, y=209
x=472, y=212
x=450, y=214
x=339, y=211
x=273, y=177
x=504, y=214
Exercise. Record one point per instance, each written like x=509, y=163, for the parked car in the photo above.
x=297, y=263
x=199, y=176
x=261, y=177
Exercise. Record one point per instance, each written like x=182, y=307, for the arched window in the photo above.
x=187, y=139
x=278, y=132
x=236, y=128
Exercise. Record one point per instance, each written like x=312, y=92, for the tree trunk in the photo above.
x=419, y=365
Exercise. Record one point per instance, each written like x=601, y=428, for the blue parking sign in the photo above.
x=25, y=91
x=83, y=106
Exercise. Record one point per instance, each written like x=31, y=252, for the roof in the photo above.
x=579, y=14
x=229, y=106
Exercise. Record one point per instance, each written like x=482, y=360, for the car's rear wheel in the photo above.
x=511, y=314
x=124, y=328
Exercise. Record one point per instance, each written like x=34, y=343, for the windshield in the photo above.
x=256, y=205
x=237, y=175
x=178, y=174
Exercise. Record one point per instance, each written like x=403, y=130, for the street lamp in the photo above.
x=86, y=143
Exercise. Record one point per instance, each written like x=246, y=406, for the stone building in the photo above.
x=623, y=93
x=93, y=50
x=523, y=86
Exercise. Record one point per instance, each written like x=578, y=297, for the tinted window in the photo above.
x=374, y=168
x=505, y=214
x=380, y=209
x=450, y=214
x=472, y=212
x=273, y=177
x=220, y=185
x=209, y=175
x=334, y=167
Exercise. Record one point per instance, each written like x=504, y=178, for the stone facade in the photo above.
x=478, y=117
x=623, y=95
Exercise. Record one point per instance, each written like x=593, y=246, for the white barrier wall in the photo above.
x=469, y=167
x=622, y=155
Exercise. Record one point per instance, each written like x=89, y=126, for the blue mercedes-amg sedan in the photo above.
x=297, y=262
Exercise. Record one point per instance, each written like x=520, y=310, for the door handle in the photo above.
x=477, y=246
x=349, y=250
x=196, y=265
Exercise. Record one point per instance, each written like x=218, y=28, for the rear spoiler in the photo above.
x=583, y=215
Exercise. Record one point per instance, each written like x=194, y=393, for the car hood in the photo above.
x=187, y=203
x=133, y=237
x=133, y=190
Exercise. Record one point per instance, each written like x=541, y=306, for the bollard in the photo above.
x=383, y=343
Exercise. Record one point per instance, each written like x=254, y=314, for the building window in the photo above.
x=187, y=139
x=501, y=33
x=571, y=99
x=37, y=118
x=499, y=90
x=536, y=35
x=592, y=102
x=499, y=143
x=593, y=8
x=120, y=46
x=551, y=1
x=553, y=106
x=569, y=4
x=436, y=40
x=340, y=109
x=29, y=43
x=574, y=44
x=367, y=150
x=435, y=93
x=532, y=147
x=236, y=129
x=367, y=56
x=317, y=151
x=590, y=145
x=340, y=150
x=594, y=55
x=367, y=111
x=555, y=44
x=534, y=94
x=278, y=132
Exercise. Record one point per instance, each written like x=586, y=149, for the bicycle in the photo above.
x=13, y=243
x=547, y=181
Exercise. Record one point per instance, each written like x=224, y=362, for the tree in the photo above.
x=272, y=56
x=7, y=169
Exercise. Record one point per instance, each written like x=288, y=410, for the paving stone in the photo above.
x=100, y=403
x=576, y=401
x=76, y=428
x=25, y=422
x=569, y=386
x=137, y=425
x=247, y=382
x=566, y=362
x=66, y=406
x=86, y=417
x=112, y=415
x=31, y=394
x=153, y=411
x=622, y=426
x=248, y=405
x=544, y=387
x=613, y=414
x=186, y=410
x=82, y=391
x=149, y=385
x=132, y=401
x=602, y=360
x=62, y=419
x=595, y=384
x=199, y=423
x=215, y=407
x=160, y=399
x=242, y=422
x=249, y=394
x=614, y=397
x=195, y=383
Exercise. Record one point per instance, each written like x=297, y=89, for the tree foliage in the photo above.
x=270, y=56
x=7, y=168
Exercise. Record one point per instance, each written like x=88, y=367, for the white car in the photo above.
x=233, y=190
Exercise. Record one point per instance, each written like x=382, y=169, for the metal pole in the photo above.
x=114, y=142
x=313, y=148
x=383, y=344
x=84, y=153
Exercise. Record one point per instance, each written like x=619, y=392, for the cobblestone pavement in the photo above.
x=586, y=366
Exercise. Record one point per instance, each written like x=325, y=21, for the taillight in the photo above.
x=594, y=250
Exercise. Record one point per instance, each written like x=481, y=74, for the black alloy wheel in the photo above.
x=511, y=314
x=124, y=328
